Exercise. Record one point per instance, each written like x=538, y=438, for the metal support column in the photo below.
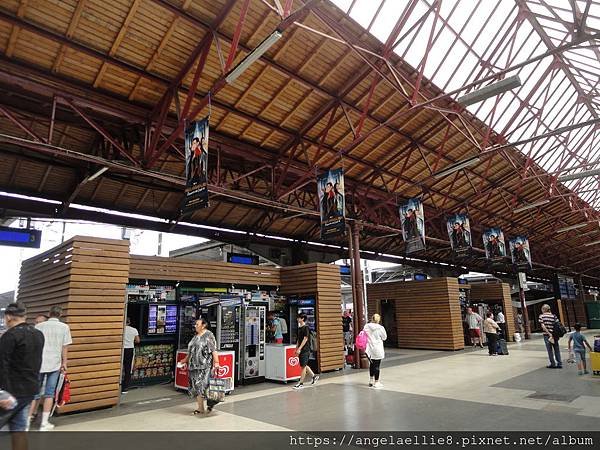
x=524, y=311
x=360, y=360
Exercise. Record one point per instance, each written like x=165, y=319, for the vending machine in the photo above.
x=252, y=366
x=297, y=305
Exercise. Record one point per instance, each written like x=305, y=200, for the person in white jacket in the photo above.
x=376, y=335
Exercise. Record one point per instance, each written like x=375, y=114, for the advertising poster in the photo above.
x=196, y=167
x=292, y=364
x=330, y=188
x=520, y=252
x=493, y=242
x=459, y=232
x=412, y=218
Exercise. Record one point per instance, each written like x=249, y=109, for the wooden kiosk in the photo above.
x=88, y=277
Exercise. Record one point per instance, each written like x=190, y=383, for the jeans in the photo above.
x=17, y=419
x=51, y=382
x=553, y=352
x=374, y=368
x=492, y=338
x=127, y=362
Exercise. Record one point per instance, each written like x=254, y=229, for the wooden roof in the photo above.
x=290, y=115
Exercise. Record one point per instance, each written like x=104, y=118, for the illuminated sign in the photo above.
x=20, y=237
x=238, y=258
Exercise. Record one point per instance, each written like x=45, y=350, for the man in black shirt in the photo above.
x=20, y=361
x=303, y=351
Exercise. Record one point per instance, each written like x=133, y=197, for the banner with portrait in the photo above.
x=520, y=252
x=493, y=242
x=330, y=188
x=412, y=218
x=459, y=232
x=196, y=165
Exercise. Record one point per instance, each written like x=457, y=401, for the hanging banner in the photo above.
x=459, y=231
x=196, y=157
x=330, y=188
x=520, y=252
x=412, y=218
x=493, y=242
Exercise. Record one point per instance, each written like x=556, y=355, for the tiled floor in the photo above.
x=424, y=390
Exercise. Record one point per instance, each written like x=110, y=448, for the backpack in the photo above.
x=558, y=329
x=313, y=341
x=361, y=340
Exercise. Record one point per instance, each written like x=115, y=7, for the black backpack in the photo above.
x=558, y=329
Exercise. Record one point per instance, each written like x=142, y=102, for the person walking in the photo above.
x=57, y=338
x=474, y=322
x=547, y=320
x=579, y=343
x=21, y=348
x=303, y=351
x=375, y=352
x=202, y=360
x=131, y=338
x=490, y=328
x=347, y=328
x=520, y=323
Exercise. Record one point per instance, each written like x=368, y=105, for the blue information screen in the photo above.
x=19, y=237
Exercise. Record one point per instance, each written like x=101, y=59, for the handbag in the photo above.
x=216, y=390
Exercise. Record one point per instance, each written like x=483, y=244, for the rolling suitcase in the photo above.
x=595, y=362
x=501, y=347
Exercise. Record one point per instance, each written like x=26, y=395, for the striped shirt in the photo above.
x=548, y=320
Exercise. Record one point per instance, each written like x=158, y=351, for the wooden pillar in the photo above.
x=357, y=291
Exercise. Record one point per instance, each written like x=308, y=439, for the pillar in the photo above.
x=357, y=291
x=524, y=311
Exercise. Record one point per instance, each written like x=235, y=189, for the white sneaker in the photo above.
x=47, y=427
x=377, y=385
x=299, y=386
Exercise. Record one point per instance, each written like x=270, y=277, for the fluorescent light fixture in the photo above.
x=577, y=176
x=97, y=174
x=492, y=90
x=253, y=56
x=589, y=244
x=456, y=167
x=572, y=227
x=531, y=206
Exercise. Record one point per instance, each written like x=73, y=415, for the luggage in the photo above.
x=501, y=347
x=597, y=343
x=595, y=362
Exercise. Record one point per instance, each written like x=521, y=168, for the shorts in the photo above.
x=304, y=357
x=475, y=332
x=279, y=340
x=51, y=380
x=579, y=355
x=348, y=337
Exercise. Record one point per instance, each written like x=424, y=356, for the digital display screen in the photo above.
x=162, y=319
x=345, y=270
x=238, y=258
x=420, y=277
x=19, y=237
x=306, y=301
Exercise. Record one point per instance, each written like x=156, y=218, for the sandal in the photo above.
x=197, y=412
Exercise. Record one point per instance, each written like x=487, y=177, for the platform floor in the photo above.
x=423, y=390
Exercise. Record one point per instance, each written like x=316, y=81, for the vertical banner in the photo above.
x=520, y=252
x=412, y=218
x=459, y=232
x=493, y=242
x=196, y=167
x=330, y=188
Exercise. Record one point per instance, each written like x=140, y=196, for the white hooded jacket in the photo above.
x=376, y=335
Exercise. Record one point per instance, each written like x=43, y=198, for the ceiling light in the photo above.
x=253, y=56
x=97, y=174
x=492, y=90
x=572, y=227
x=577, y=176
x=531, y=206
x=457, y=166
x=589, y=244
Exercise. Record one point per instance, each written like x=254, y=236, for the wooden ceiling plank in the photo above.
x=14, y=34
x=70, y=32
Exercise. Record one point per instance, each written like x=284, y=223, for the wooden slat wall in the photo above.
x=324, y=281
x=496, y=293
x=427, y=312
x=173, y=269
x=576, y=312
x=87, y=277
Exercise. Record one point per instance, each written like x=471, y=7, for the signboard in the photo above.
x=493, y=242
x=520, y=252
x=20, y=237
x=239, y=258
x=226, y=370
x=330, y=189
x=196, y=167
x=459, y=232
x=412, y=218
x=292, y=363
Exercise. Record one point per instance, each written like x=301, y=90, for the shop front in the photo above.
x=99, y=285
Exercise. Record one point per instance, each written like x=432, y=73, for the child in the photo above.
x=579, y=340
